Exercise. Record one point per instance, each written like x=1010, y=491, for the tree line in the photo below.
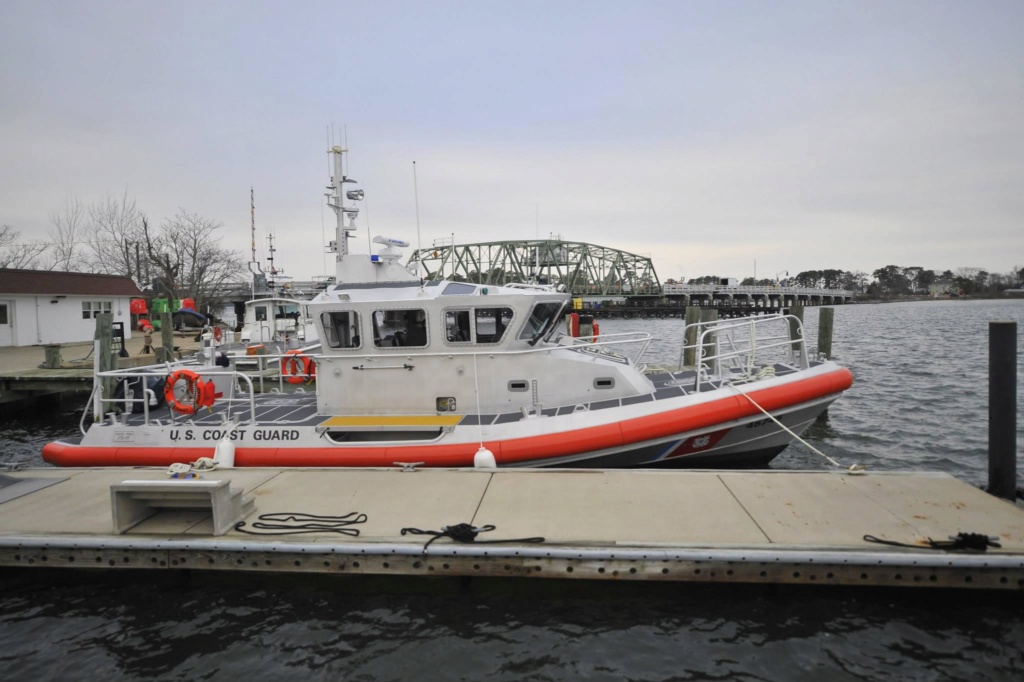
x=182, y=258
x=893, y=280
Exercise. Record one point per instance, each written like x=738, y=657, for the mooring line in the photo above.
x=854, y=469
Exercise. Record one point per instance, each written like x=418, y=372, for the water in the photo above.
x=918, y=403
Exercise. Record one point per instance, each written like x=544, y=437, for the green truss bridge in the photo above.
x=592, y=271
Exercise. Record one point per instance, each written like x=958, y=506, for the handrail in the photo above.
x=586, y=344
x=716, y=332
x=204, y=371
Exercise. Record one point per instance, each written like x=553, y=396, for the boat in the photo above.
x=447, y=373
x=276, y=320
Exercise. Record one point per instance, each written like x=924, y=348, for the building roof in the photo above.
x=48, y=283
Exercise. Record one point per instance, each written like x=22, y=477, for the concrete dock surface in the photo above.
x=717, y=526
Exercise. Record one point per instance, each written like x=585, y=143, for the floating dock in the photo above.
x=769, y=527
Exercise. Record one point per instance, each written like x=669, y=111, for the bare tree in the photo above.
x=18, y=255
x=189, y=260
x=117, y=238
x=67, y=236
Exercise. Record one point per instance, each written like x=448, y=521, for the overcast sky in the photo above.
x=708, y=135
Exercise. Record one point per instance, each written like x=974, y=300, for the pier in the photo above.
x=24, y=374
x=764, y=527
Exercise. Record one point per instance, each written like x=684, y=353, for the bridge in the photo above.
x=758, y=296
x=598, y=273
x=588, y=271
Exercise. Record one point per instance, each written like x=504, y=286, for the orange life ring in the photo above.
x=199, y=392
x=216, y=334
x=192, y=383
x=297, y=368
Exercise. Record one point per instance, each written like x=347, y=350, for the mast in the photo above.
x=252, y=217
x=336, y=200
x=273, y=270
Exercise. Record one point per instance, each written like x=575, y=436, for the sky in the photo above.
x=729, y=138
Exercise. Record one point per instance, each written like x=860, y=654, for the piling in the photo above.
x=166, y=352
x=692, y=317
x=1002, y=409
x=53, y=359
x=104, y=355
x=795, y=329
x=826, y=319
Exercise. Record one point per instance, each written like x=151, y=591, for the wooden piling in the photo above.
x=690, y=354
x=166, y=352
x=104, y=353
x=1002, y=409
x=826, y=319
x=53, y=359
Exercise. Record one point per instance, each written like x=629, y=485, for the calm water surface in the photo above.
x=919, y=402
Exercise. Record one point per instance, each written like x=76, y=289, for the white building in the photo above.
x=41, y=307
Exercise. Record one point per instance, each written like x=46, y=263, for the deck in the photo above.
x=770, y=527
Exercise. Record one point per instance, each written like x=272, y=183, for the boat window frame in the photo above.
x=404, y=346
x=468, y=310
x=474, y=322
x=330, y=331
x=549, y=322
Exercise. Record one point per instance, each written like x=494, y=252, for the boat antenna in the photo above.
x=273, y=270
x=252, y=218
x=419, y=241
x=536, y=249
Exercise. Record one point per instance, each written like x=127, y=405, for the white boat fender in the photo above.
x=484, y=459
x=224, y=453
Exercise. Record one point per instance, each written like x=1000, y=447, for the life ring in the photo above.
x=192, y=382
x=298, y=368
x=199, y=392
x=216, y=334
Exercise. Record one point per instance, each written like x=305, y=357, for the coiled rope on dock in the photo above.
x=292, y=523
x=464, y=532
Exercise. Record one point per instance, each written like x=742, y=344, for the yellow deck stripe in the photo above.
x=395, y=420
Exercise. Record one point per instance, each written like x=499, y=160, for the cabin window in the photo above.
x=518, y=385
x=90, y=309
x=458, y=288
x=287, y=311
x=341, y=329
x=491, y=323
x=456, y=326
x=540, y=319
x=261, y=313
x=400, y=328
x=604, y=382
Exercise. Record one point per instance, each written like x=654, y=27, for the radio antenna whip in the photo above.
x=419, y=241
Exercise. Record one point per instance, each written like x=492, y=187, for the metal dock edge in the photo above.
x=768, y=527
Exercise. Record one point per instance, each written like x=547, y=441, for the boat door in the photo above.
x=262, y=331
x=6, y=323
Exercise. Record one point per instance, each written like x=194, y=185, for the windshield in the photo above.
x=541, y=319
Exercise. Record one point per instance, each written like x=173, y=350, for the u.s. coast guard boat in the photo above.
x=452, y=373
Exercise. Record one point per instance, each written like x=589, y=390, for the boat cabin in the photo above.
x=280, y=320
x=432, y=347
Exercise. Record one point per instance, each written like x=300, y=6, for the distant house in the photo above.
x=41, y=306
x=941, y=287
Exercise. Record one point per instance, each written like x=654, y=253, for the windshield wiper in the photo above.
x=547, y=323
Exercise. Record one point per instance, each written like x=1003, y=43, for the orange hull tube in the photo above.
x=509, y=451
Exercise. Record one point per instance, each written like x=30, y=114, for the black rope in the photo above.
x=972, y=541
x=290, y=523
x=463, y=532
